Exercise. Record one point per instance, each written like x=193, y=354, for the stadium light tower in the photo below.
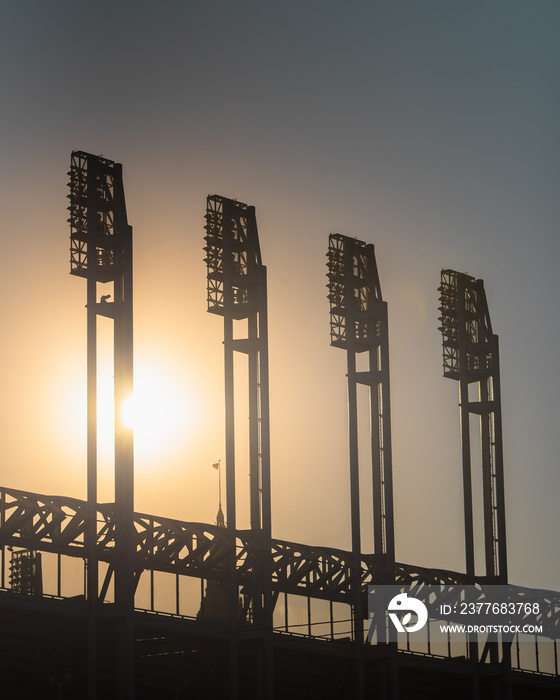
x=471, y=357
x=237, y=291
x=101, y=252
x=359, y=324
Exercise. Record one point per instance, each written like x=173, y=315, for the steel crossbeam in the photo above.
x=57, y=523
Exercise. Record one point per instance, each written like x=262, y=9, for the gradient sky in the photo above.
x=427, y=128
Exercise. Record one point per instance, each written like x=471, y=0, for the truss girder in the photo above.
x=57, y=523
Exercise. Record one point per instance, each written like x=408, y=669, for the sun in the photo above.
x=160, y=412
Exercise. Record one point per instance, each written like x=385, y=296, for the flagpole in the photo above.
x=220, y=517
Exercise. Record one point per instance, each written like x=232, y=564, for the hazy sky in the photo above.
x=429, y=128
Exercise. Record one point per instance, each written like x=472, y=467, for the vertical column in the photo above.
x=266, y=489
x=359, y=325
x=253, y=352
x=228, y=303
x=471, y=356
x=91, y=532
x=229, y=380
x=502, y=565
x=386, y=517
x=124, y=464
x=352, y=401
x=465, y=429
x=237, y=291
x=101, y=251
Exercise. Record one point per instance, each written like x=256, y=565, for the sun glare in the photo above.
x=128, y=412
x=160, y=412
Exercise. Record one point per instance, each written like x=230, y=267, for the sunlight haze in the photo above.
x=428, y=129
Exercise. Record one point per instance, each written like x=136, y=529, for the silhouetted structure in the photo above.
x=101, y=251
x=359, y=324
x=25, y=572
x=266, y=617
x=237, y=291
x=470, y=356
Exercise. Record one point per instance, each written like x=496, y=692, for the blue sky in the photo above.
x=427, y=128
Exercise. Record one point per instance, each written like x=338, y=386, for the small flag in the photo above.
x=216, y=466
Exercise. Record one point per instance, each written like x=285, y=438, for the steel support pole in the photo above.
x=487, y=478
x=353, y=451
x=387, y=442
x=229, y=372
x=355, y=516
x=124, y=467
x=266, y=489
x=387, y=486
x=230, y=502
x=352, y=400
x=376, y=455
x=230, y=424
x=254, y=420
x=230, y=449
x=237, y=290
x=467, y=479
x=499, y=463
x=354, y=473
x=92, y=582
x=465, y=432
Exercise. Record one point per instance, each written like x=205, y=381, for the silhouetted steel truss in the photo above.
x=57, y=524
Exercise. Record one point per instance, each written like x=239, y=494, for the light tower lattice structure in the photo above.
x=101, y=252
x=359, y=324
x=471, y=357
x=237, y=291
